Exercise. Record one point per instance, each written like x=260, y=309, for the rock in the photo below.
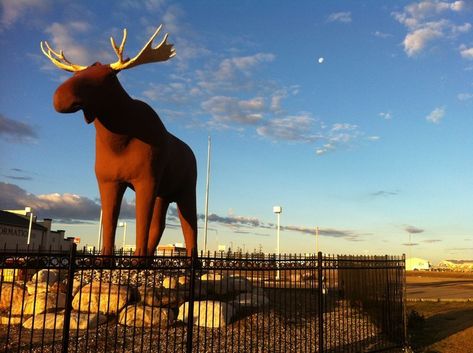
x=208, y=313
x=211, y=276
x=76, y=285
x=41, y=287
x=43, y=302
x=11, y=320
x=12, y=297
x=183, y=282
x=100, y=297
x=174, y=282
x=87, y=321
x=46, y=275
x=250, y=299
x=55, y=321
x=161, y=297
x=170, y=282
x=229, y=285
x=141, y=316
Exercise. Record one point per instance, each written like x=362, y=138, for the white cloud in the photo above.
x=465, y=96
x=427, y=21
x=67, y=206
x=344, y=17
x=243, y=64
x=380, y=34
x=436, y=115
x=14, y=10
x=416, y=41
x=63, y=39
x=466, y=52
x=429, y=8
x=386, y=115
x=225, y=110
x=340, y=134
x=292, y=128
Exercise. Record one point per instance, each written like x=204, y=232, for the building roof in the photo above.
x=12, y=219
x=458, y=262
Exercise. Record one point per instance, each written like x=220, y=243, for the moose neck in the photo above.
x=117, y=122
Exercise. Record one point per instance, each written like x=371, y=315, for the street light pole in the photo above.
x=123, y=224
x=28, y=209
x=99, y=238
x=206, y=218
x=277, y=210
x=316, y=240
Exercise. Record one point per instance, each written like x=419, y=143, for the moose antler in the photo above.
x=59, y=59
x=162, y=52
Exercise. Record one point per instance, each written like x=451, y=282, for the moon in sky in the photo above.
x=321, y=60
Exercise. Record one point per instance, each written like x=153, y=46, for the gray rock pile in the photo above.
x=136, y=298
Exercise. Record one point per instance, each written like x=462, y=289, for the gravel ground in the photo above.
x=259, y=332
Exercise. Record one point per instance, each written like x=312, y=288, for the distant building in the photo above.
x=456, y=265
x=417, y=264
x=14, y=230
x=171, y=249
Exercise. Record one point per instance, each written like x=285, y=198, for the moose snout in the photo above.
x=65, y=101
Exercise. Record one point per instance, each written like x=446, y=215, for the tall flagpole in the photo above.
x=206, y=219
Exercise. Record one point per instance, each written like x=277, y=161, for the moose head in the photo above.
x=133, y=148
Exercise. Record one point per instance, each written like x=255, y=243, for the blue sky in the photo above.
x=371, y=145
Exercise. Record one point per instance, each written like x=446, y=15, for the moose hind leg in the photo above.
x=188, y=217
x=158, y=223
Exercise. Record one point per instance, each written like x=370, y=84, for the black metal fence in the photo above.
x=84, y=302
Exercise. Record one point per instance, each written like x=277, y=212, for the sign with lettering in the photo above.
x=13, y=231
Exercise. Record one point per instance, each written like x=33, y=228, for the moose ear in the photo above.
x=88, y=116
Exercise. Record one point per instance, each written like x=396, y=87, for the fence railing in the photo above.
x=81, y=302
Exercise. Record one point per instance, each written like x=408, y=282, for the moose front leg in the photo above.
x=145, y=199
x=111, y=194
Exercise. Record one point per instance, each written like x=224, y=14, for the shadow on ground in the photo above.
x=438, y=327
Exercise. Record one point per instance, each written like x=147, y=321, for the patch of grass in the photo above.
x=433, y=327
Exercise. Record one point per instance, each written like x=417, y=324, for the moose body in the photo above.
x=133, y=149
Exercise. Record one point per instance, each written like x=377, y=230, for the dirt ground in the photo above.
x=441, y=327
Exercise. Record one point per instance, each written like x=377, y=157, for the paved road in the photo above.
x=435, y=288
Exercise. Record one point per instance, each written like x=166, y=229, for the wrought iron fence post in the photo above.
x=320, y=302
x=68, y=309
x=190, y=313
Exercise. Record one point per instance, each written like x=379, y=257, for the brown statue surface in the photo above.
x=133, y=148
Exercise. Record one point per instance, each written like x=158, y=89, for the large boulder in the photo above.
x=46, y=275
x=105, y=298
x=161, y=297
x=208, y=313
x=141, y=316
x=250, y=300
x=229, y=285
x=12, y=297
x=41, y=287
x=211, y=276
x=11, y=319
x=55, y=321
x=44, y=302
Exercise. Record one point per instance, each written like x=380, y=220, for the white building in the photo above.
x=14, y=229
x=417, y=264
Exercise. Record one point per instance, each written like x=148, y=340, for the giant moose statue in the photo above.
x=133, y=148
